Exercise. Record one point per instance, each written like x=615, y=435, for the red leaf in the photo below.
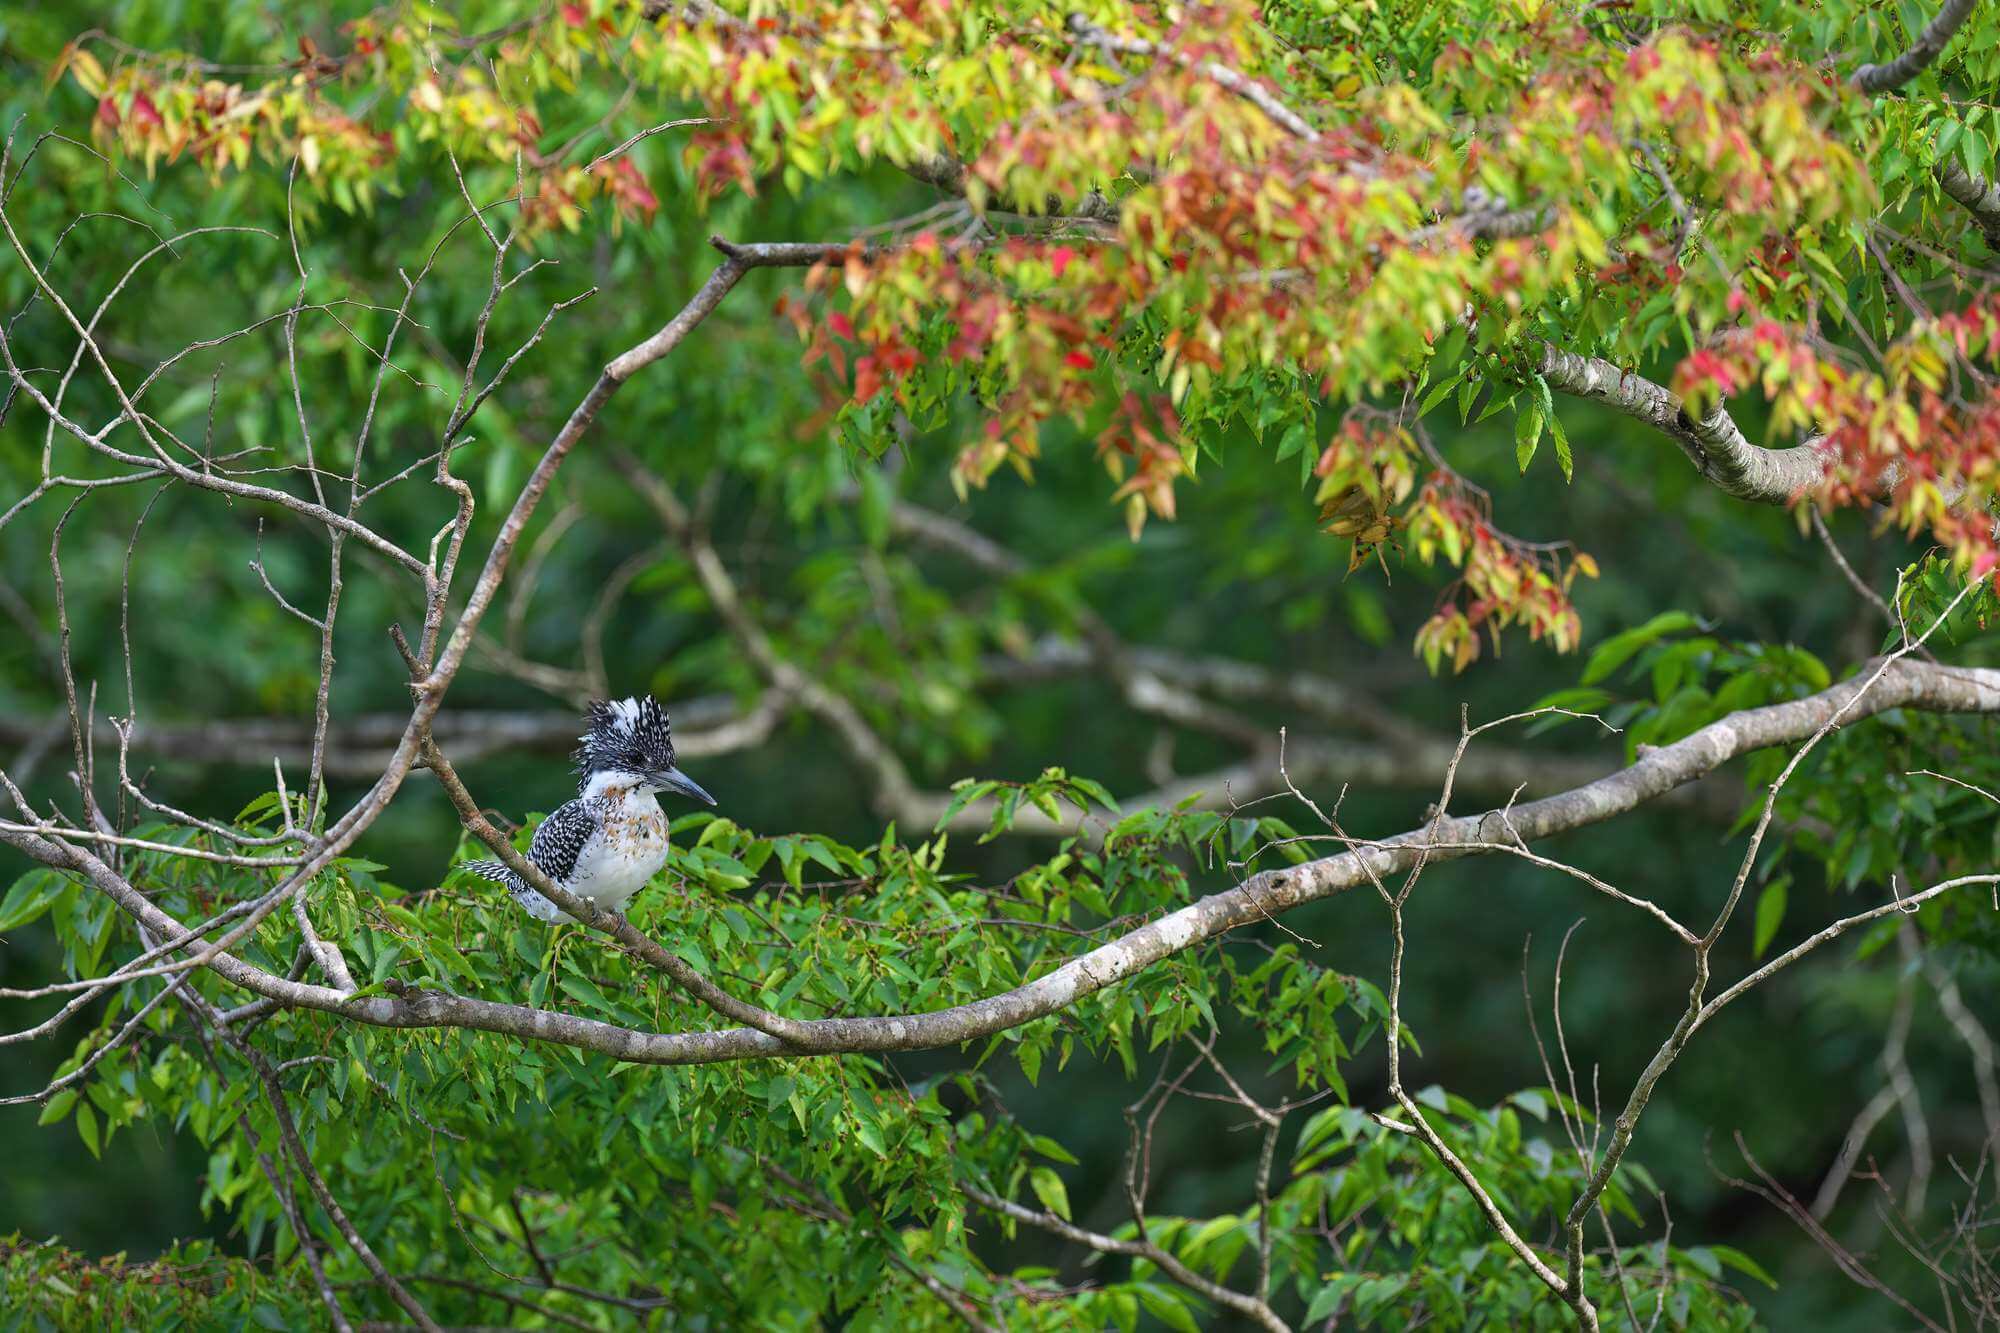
x=840, y=324
x=1079, y=359
x=1059, y=259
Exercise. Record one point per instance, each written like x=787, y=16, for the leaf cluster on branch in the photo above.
x=1185, y=242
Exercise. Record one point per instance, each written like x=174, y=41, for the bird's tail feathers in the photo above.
x=517, y=888
x=493, y=870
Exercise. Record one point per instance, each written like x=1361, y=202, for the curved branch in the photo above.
x=1152, y=1253
x=603, y=919
x=1250, y=90
x=1714, y=444
x=1929, y=45
x=1901, y=684
x=288, y=1134
x=1977, y=195
x=1973, y=192
x=431, y=679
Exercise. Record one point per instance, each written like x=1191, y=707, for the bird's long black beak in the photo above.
x=675, y=780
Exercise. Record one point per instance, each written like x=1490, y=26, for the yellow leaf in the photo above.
x=89, y=73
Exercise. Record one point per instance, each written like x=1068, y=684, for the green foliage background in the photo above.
x=1242, y=572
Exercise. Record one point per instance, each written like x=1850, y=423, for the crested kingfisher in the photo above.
x=604, y=845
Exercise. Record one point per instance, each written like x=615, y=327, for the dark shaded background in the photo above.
x=1242, y=572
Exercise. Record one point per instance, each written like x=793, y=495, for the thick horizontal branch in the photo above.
x=1977, y=195
x=1714, y=444
x=1974, y=193
x=1930, y=44
x=1902, y=684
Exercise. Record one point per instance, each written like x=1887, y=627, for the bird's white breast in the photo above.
x=627, y=850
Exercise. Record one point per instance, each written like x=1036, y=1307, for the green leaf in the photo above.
x=86, y=1128
x=1527, y=434
x=1770, y=913
x=1972, y=152
x=584, y=990
x=1438, y=392
x=1561, y=437
x=1742, y=1263
x=1049, y=1148
x=1450, y=348
x=31, y=895
x=1614, y=651
x=1049, y=1188
x=877, y=499
x=1328, y=1298
x=58, y=1107
x=1168, y=1307
x=1703, y=1260
x=1543, y=396
x=453, y=959
x=1208, y=1232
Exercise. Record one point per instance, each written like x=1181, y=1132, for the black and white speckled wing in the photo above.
x=554, y=850
x=560, y=841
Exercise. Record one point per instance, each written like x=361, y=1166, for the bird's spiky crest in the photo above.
x=629, y=735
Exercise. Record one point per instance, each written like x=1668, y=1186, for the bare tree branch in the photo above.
x=1163, y=1259
x=1928, y=47
x=1250, y=90
x=1899, y=684
x=1713, y=444
x=1979, y=196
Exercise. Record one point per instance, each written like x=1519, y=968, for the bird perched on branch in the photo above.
x=604, y=845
